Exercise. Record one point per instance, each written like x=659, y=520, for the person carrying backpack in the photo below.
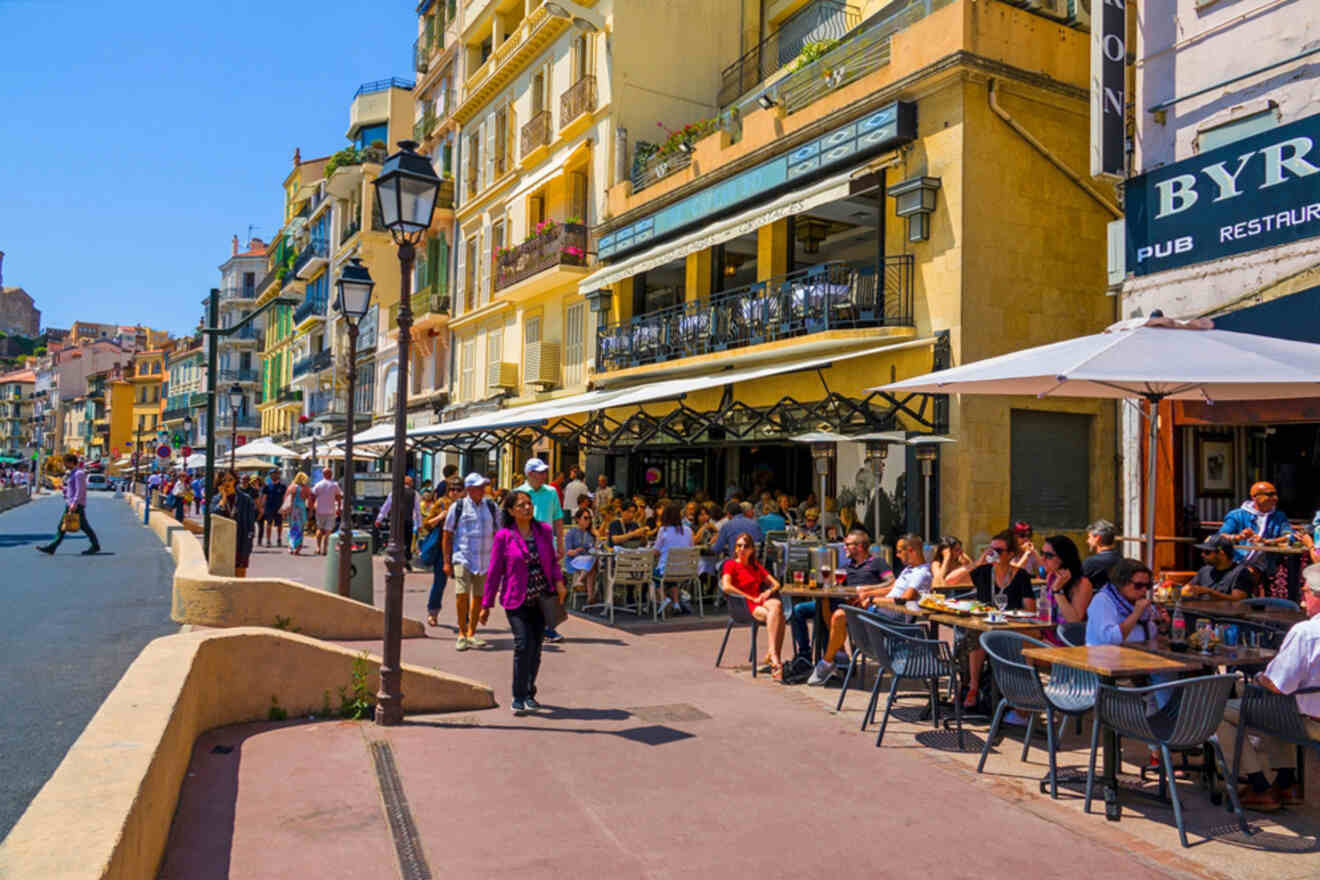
x=469, y=536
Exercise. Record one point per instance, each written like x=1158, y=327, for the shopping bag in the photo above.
x=71, y=522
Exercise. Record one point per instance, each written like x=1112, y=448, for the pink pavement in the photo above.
x=646, y=762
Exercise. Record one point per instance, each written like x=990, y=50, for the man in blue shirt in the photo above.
x=739, y=524
x=1258, y=520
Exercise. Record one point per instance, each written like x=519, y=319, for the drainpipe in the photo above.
x=1053, y=159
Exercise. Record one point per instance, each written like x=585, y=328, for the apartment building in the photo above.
x=238, y=355
x=183, y=390
x=16, y=389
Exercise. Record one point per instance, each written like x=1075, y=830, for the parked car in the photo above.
x=99, y=482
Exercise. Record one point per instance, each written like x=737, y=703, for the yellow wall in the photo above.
x=119, y=410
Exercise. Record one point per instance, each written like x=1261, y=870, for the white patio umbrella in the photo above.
x=1154, y=358
x=264, y=446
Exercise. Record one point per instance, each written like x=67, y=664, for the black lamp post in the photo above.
x=354, y=299
x=406, y=192
x=235, y=404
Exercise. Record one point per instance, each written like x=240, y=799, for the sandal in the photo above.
x=777, y=672
x=431, y=621
x=970, y=701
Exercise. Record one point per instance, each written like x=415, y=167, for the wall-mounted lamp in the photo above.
x=766, y=102
x=914, y=199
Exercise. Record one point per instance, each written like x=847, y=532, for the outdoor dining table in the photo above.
x=820, y=629
x=1110, y=663
x=1293, y=558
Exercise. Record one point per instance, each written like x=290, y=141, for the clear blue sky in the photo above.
x=141, y=136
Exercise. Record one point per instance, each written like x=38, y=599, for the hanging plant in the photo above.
x=813, y=51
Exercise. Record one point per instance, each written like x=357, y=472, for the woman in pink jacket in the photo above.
x=523, y=568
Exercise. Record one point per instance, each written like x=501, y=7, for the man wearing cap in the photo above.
x=1295, y=668
x=1221, y=577
x=469, y=536
x=547, y=509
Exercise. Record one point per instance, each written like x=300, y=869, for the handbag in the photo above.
x=429, y=550
x=71, y=522
x=551, y=609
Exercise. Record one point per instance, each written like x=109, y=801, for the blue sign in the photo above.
x=890, y=125
x=1259, y=192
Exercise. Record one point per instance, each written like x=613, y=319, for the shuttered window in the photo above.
x=1050, y=469
x=575, y=320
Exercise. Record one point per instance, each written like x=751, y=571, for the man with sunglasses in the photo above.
x=1221, y=577
x=1257, y=521
x=860, y=570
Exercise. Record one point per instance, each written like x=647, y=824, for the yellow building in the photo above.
x=145, y=381
x=118, y=426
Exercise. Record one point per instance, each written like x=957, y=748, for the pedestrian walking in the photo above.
x=232, y=502
x=412, y=519
x=524, y=572
x=296, y=501
x=328, y=498
x=547, y=509
x=452, y=492
x=466, y=552
x=75, y=508
x=272, y=498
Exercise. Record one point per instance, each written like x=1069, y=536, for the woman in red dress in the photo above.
x=745, y=577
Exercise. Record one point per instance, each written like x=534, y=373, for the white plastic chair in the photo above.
x=632, y=568
x=683, y=566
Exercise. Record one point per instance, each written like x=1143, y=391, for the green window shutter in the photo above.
x=432, y=261
x=442, y=265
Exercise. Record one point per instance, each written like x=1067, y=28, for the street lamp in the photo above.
x=235, y=404
x=354, y=299
x=926, y=451
x=406, y=192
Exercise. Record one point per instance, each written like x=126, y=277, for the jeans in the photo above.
x=86, y=527
x=438, y=581
x=528, y=626
x=801, y=621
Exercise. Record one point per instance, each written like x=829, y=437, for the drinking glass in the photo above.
x=1203, y=635
x=1001, y=602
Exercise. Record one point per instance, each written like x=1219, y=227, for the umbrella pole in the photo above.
x=1152, y=450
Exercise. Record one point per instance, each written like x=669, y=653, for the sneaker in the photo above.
x=821, y=674
x=531, y=704
x=91, y=551
x=1015, y=718
x=474, y=642
x=664, y=606
x=47, y=549
x=519, y=707
x=552, y=636
x=462, y=644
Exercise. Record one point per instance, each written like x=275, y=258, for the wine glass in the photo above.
x=1001, y=602
x=1203, y=635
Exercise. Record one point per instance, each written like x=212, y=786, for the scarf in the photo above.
x=1125, y=608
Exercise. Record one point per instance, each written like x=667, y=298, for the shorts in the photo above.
x=325, y=522
x=275, y=517
x=468, y=583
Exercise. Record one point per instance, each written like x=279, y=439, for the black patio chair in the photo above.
x=878, y=651
x=1072, y=634
x=1187, y=723
x=1274, y=715
x=739, y=615
x=1271, y=603
x=910, y=656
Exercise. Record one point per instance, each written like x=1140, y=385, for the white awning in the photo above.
x=830, y=189
x=651, y=392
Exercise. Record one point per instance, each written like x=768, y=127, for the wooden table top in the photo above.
x=979, y=623
x=1111, y=661
x=1238, y=611
x=1221, y=656
x=1282, y=549
x=805, y=592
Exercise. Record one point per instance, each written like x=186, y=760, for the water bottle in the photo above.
x=1178, y=632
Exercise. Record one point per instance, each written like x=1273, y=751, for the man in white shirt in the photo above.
x=576, y=488
x=1296, y=667
x=914, y=581
x=328, y=496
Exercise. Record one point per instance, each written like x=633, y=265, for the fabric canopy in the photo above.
x=266, y=447
x=1155, y=358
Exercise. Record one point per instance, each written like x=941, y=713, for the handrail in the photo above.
x=380, y=85
x=834, y=18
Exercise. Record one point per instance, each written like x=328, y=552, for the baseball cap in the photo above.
x=1217, y=542
x=474, y=479
x=535, y=464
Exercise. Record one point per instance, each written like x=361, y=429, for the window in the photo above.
x=501, y=122
x=538, y=92
x=469, y=276
x=580, y=65
x=467, y=383
x=474, y=162
x=575, y=321
x=578, y=196
x=1237, y=129
x=372, y=133
x=1050, y=469
x=531, y=334
x=494, y=346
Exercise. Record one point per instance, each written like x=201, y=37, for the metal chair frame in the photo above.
x=632, y=568
x=683, y=567
x=906, y=655
x=739, y=615
x=1274, y=715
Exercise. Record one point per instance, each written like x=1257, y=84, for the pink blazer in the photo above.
x=507, y=577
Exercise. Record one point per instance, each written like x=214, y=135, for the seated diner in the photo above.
x=1221, y=577
x=861, y=570
x=744, y=577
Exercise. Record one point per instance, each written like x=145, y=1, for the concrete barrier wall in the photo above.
x=12, y=498
x=206, y=599
x=107, y=810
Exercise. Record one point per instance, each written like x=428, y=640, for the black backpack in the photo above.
x=797, y=670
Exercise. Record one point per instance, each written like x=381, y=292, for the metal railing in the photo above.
x=422, y=127
x=380, y=85
x=817, y=21
x=289, y=395
x=657, y=167
x=352, y=229
x=246, y=332
x=313, y=363
x=238, y=291
x=563, y=245
x=225, y=419
x=320, y=402
x=536, y=132
x=316, y=248
x=311, y=306
x=429, y=301
x=578, y=99
x=828, y=296
x=860, y=54
x=240, y=375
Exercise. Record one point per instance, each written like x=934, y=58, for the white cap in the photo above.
x=535, y=464
x=474, y=479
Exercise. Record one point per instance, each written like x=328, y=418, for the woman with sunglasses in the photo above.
x=433, y=519
x=744, y=577
x=1067, y=592
x=523, y=569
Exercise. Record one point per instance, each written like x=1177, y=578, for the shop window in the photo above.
x=1050, y=469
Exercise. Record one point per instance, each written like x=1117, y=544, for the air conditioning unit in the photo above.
x=542, y=364
x=1079, y=13
x=1055, y=9
x=502, y=374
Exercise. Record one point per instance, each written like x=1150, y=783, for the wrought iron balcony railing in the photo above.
x=289, y=395
x=564, y=244
x=428, y=301
x=240, y=375
x=817, y=22
x=578, y=99
x=311, y=306
x=657, y=167
x=313, y=363
x=536, y=132
x=829, y=296
x=238, y=291
x=317, y=249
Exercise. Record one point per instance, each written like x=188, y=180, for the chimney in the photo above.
x=297, y=157
x=234, y=246
x=2, y=270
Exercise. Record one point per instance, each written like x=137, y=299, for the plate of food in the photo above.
x=1020, y=614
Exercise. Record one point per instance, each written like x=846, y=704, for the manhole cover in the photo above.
x=668, y=714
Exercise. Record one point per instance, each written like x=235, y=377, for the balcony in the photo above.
x=579, y=99
x=240, y=375
x=313, y=363
x=657, y=167
x=234, y=292
x=176, y=414
x=312, y=257
x=535, y=133
x=289, y=395
x=319, y=402
x=246, y=421
x=829, y=296
x=421, y=54
x=430, y=309
x=269, y=278
x=560, y=245
x=310, y=307
x=818, y=23
x=245, y=334
x=444, y=198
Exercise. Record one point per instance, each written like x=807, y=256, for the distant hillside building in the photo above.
x=18, y=315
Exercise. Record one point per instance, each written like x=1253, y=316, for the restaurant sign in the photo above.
x=1259, y=192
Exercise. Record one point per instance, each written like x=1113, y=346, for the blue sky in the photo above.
x=141, y=136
